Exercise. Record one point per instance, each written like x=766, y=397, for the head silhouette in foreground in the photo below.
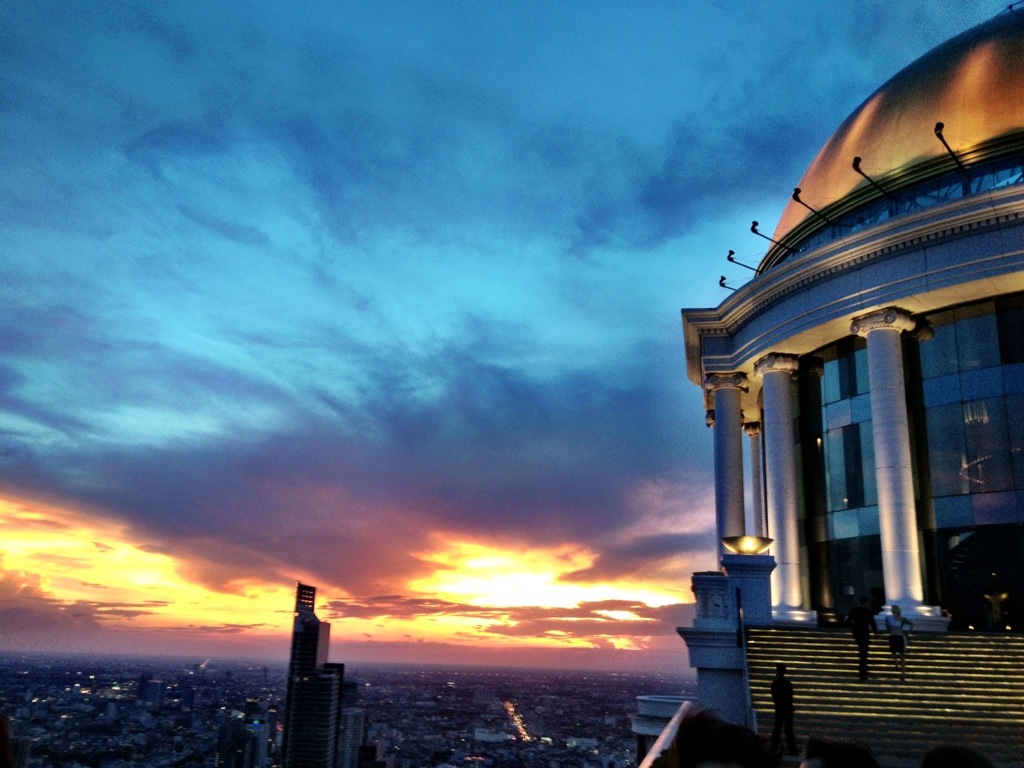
x=826, y=753
x=954, y=757
x=705, y=741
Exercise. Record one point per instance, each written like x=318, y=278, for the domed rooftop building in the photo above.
x=876, y=359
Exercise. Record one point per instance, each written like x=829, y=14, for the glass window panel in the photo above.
x=867, y=519
x=837, y=415
x=938, y=355
x=854, y=466
x=1015, y=427
x=867, y=462
x=847, y=376
x=845, y=525
x=830, y=382
x=987, y=382
x=953, y=512
x=860, y=372
x=977, y=337
x=988, y=445
x=942, y=390
x=835, y=460
x=947, y=450
x=1011, y=330
x=992, y=508
x=860, y=408
x=1013, y=379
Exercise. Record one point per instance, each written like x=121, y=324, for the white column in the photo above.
x=776, y=372
x=755, y=527
x=725, y=389
x=901, y=559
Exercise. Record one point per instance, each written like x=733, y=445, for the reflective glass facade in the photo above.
x=965, y=393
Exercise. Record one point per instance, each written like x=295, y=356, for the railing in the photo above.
x=667, y=739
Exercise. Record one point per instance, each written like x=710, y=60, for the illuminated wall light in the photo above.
x=747, y=545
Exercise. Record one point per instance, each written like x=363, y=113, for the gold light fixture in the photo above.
x=747, y=545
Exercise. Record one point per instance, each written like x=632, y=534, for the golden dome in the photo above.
x=973, y=83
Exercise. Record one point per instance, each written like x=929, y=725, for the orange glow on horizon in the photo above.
x=69, y=558
x=64, y=563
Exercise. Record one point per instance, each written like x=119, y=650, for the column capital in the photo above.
x=752, y=428
x=776, y=361
x=715, y=381
x=890, y=317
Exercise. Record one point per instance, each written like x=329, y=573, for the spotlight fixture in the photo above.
x=753, y=228
x=872, y=182
x=815, y=211
x=964, y=178
x=732, y=260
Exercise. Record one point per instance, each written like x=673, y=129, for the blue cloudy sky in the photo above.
x=351, y=291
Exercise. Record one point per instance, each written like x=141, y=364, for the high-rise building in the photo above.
x=353, y=721
x=314, y=698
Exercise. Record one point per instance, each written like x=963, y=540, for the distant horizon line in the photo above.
x=283, y=663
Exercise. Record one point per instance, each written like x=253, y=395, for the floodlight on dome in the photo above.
x=872, y=182
x=731, y=258
x=815, y=211
x=753, y=228
x=964, y=178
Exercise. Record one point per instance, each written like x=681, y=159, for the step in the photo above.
x=965, y=687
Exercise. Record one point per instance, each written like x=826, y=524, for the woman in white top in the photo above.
x=898, y=627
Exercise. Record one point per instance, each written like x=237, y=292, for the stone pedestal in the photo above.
x=752, y=575
x=714, y=641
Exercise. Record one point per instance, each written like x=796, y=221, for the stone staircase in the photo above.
x=961, y=688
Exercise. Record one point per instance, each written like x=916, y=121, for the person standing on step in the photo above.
x=898, y=625
x=782, y=698
x=862, y=622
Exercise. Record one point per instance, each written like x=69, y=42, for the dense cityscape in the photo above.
x=117, y=712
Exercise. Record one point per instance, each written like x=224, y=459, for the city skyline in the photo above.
x=386, y=299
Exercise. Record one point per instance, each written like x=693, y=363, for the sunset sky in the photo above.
x=384, y=297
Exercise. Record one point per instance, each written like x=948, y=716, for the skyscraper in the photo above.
x=313, y=702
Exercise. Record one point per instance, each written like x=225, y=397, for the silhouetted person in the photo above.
x=897, y=626
x=862, y=622
x=704, y=741
x=782, y=698
x=954, y=757
x=825, y=753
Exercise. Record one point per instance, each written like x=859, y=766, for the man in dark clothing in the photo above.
x=862, y=622
x=782, y=698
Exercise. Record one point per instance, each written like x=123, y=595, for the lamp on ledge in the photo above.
x=747, y=545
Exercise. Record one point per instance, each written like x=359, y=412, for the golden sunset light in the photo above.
x=478, y=574
x=60, y=556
